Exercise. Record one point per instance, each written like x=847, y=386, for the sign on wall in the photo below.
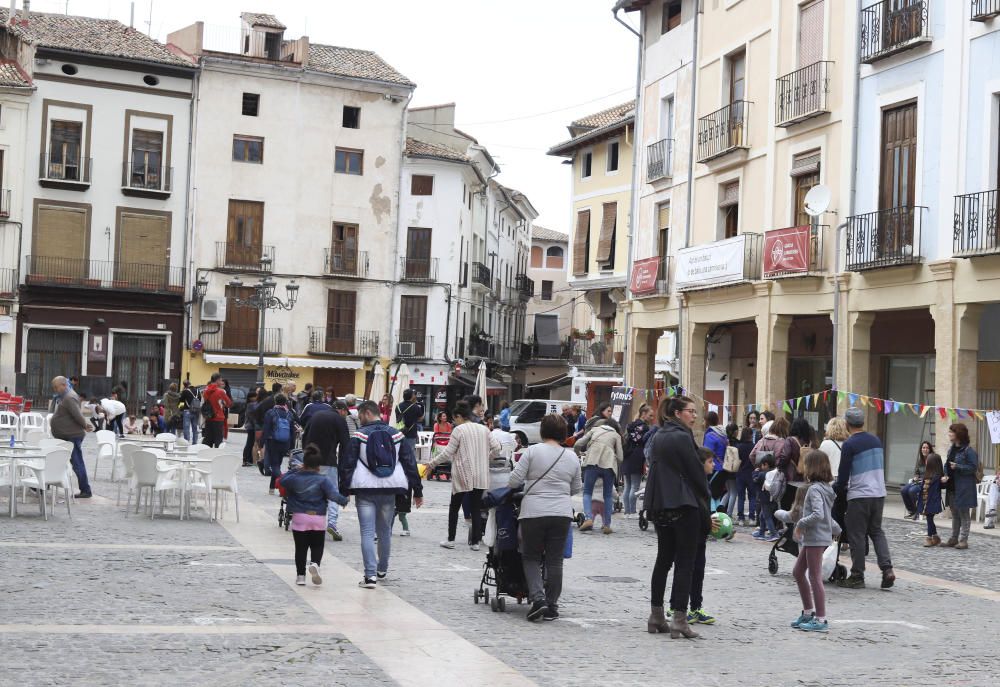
x=97, y=352
x=621, y=404
x=786, y=251
x=644, y=275
x=714, y=263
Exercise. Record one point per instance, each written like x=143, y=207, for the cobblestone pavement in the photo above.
x=199, y=597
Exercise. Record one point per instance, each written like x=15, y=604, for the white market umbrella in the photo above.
x=402, y=383
x=378, y=383
x=480, y=389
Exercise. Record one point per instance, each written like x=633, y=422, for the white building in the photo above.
x=100, y=184
x=296, y=176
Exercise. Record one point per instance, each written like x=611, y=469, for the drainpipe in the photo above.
x=188, y=209
x=634, y=199
x=393, y=310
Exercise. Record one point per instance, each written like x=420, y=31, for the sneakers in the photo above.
x=551, y=613
x=405, y=533
x=270, y=492
x=83, y=495
x=474, y=547
x=758, y=535
x=814, y=625
x=367, y=583
x=607, y=529
x=381, y=576
x=699, y=616
x=447, y=544
x=314, y=573
x=300, y=580
x=962, y=545
x=537, y=610
x=741, y=523
x=888, y=578
x=803, y=618
x=853, y=582
x=334, y=534
x=772, y=537
x=587, y=525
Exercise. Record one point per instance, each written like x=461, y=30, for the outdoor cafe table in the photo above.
x=164, y=444
x=31, y=458
x=187, y=461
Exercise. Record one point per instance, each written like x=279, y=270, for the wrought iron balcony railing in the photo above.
x=659, y=159
x=343, y=340
x=41, y=270
x=884, y=238
x=69, y=171
x=235, y=256
x=413, y=344
x=724, y=131
x=480, y=274
x=242, y=340
x=8, y=282
x=419, y=269
x=345, y=265
x=146, y=179
x=602, y=350
x=525, y=287
x=890, y=27
x=802, y=94
x=975, y=229
x=983, y=10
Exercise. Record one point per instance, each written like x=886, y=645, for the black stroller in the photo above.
x=294, y=463
x=786, y=544
x=502, y=570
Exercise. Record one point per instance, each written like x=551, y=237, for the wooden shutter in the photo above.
x=413, y=321
x=245, y=233
x=341, y=315
x=418, y=253
x=344, y=249
x=61, y=238
x=239, y=332
x=143, y=249
x=609, y=219
x=899, y=157
x=663, y=216
x=581, y=241
x=811, y=33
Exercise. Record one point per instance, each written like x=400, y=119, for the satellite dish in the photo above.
x=817, y=200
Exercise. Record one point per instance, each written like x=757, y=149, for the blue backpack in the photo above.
x=380, y=452
x=282, y=428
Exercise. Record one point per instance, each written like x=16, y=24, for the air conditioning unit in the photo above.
x=406, y=348
x=213, y=310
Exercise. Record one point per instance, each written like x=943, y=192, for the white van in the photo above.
x=526, y=416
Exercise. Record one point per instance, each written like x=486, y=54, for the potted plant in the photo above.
x=609, y=334
x=619, y=357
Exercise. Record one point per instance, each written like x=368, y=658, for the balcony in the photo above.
x=724, y=131
x=984, y=10
x=525, y=287
x=885, y=238
x=602, y=351
x=802, y=94
x=73, y=175
x=101, y=274
x=146, y=182
x=794, y=252
x=659, y=160
x=8, y=283
x=728, y=262
x=413, y=344
x=560, y=350
x=643, y=284
x=352, y=266
x=480, y=347
x=506, y=355
x=5, y=202
x=238, y=340
x=418, y=269
x=344, y=341
x=233, y=256
x=975, y=230
x=889, y=28
x=249, y=42
x=480, y=274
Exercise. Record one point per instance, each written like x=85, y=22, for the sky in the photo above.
x=518, y=70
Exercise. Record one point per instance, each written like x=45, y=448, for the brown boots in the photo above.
x=951, y=542
x=657, y=621
x=679, y=626
x=932, y=541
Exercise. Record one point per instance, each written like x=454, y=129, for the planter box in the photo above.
x=92, y=283
x=175, y=289
x=119, y=284
x=35, y=279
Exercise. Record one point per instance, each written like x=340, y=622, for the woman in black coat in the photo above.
x=678, y=502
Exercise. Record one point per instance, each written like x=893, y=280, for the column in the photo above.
x=772, y=358
x=693, y=377
x=859, y=336
x=641, y=362
x=956, y=346
x=841, y=335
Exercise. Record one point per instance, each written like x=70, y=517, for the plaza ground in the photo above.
x=101, y=599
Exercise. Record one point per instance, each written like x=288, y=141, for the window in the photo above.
x=418, y=254
x=245, y=234
x=805, y=175
x=536, y=256
x=341, y=313
x=421, y=185
x=352, y=117
x=64, y=150
x=606, y=241
x=581, y=244
x=349, y=161
x=412, y=325
x=251, y=104
x=613, y=156
x=729, y=210
x=248, y=149
x=586, y=163
x=554, y=258
x=147, y=151
x=810, y=33
x=671, y=16
x=344, y=249
x=662, y=239
x=736, y=74
x=546, y=290
x=667, y=118
x=899, y=157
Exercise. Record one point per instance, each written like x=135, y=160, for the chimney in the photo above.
x=12, y=12
x=25, y=10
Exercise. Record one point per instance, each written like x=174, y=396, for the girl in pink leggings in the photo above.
x=814, y=531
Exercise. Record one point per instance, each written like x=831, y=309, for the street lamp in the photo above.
x=200, y=288
x=262, y=300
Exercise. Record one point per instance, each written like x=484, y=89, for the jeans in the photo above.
x=212, y=434
x=677, y=545
x=730, y=498
x=80, y=468
x=118, y=426
x=544, y=539
x=864, y=520
x=909, y=493
x=332, y=507
x=767, y=518
x=808, y=574
x=476, y=508
x=745, y=486
x=931, y=527
x=192, y=420
x=309, y=542
x=276, y=453
x=961, y=519
x=590, y=475
x=375, y=512
x=632, y=484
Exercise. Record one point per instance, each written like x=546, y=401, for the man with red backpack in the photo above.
x=379, y=466
x=214, y=405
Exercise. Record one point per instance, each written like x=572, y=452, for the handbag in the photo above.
x=731, y=463
x=547, y=471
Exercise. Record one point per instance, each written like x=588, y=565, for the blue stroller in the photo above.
x=503, y=570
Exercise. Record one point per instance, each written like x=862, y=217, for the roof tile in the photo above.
x=268, y=21
x=543, y=234
x=11, y=75
x=606, y=117
x=415, y=148
x=357, y=64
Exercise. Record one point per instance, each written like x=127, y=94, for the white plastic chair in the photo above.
x=50, y=443
x=107, y=446
x=31, y=420
x=149, y=474
x=126, y=452
x=54, y=474
x=221, y=476
x=8, y=424
x=33, y=437
x=167, y=436
x=982, y=497
x=7, y=480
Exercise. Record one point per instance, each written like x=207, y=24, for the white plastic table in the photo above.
x=187, y=462
x=30, y=458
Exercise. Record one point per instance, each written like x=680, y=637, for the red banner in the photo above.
x=644, y=275
x=786, y=251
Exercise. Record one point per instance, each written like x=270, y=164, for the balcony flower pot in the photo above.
x=35, y=279
x=119, y=284
x=92, y=283
x=619, y=357
x=63, y=281
x=174, y=288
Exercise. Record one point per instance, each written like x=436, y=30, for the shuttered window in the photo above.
x=413, y=322
x=811, y=33
x=581, y=243
x=606, y=241
x=536, y=256
x=64, y=150
x=61, y=240
x=340, y=321
x=147, y=159
x=421, y=185
x=143, y=249
x=899, y=157
x=344, y=249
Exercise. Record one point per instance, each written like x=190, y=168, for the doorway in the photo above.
x=139, y=360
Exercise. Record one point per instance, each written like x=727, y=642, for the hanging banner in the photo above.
x=786, y=251
x=644, y=274
x=993, y=422
x=715, y=263
x=621, y=404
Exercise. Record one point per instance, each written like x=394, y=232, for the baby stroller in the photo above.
x=284, y=517
x=787, y=544
x=442, y=472
x=502, y=570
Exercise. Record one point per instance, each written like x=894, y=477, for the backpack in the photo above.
x=731, y=463
x=206, y=409
x=401, y=424
x=380, y=456
x=282, y=428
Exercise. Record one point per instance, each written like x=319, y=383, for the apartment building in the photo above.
x=101, y=183
x=296, y=169
x=600, y=153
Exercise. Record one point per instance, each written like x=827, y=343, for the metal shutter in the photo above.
x=609, y=219
x=811, y=33
x=805, y=164
x=61, y=240
x=580, y=242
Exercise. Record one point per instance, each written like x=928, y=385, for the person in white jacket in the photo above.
x=601, y=451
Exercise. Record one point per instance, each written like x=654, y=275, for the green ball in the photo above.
x=725, y=525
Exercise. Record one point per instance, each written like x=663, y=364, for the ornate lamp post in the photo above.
x=262, y=300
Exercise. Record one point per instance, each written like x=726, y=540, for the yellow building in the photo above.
x=600, y=155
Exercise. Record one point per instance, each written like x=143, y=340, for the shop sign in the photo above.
x=621, y=403
x=441, y=398
x=644, y=275
x=97, y=351
x=281, y=373
x=786, y=251
x=720, y=262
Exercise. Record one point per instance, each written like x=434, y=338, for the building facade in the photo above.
x=102, y=202
x=600, y=152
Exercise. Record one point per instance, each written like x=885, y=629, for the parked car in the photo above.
x=526, y=417
x=237, y=411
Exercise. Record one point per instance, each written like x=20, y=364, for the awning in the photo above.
x=493, y=387
x=547, y=336
x=220, y=359
x=550, y=382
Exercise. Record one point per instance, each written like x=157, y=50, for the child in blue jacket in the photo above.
x=929, y=496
